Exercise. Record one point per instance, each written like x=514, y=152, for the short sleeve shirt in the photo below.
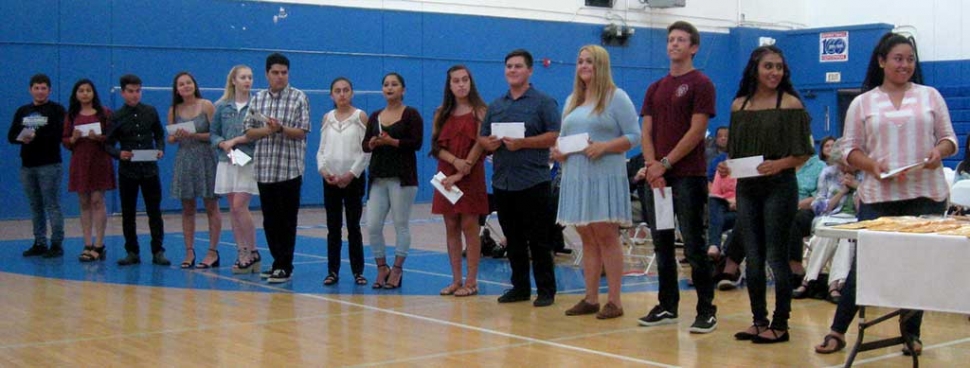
x=529, y=167
x=671, y=102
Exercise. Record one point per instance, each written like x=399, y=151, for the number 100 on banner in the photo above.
x=833, y=46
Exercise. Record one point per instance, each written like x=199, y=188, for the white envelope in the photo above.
x=900, y=170
x=144, y=155
x=239, y=158
x=259, y=116
x=187, y=126
x=573, y=143
x=664, y=208
x=511, y=130
x=86, y=128
x=745, y=167
x=452, y=195
x=24, y=134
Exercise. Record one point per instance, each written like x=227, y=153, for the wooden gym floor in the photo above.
x=56, y=313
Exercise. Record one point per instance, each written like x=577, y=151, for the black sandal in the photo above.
x=379, y=284
x=331, y=279
x=94, y=254
x=776, y=337
x=360, y=279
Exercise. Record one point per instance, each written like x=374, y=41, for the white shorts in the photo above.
x=235, y=179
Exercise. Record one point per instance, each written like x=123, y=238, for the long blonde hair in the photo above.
x=230, y=94
x=603, y=86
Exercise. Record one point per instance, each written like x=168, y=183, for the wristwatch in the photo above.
x=666, y=163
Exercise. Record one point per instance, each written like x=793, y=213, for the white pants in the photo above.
x=839, y=251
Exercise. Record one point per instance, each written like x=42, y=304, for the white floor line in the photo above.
x=926, y=348
x=441, y=355
x=488, y=331
x=365, y=307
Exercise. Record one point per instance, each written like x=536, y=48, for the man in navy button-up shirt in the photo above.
x=521, y=178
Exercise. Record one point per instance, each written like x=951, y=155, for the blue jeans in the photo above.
x=42, y=185
x=847, y=308
x=690, y=196
x=766, y=208
x=387, y=195
x=721, y=219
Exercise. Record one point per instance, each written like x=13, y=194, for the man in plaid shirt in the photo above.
x=279, y=122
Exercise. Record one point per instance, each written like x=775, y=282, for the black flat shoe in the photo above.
x=746, y=336
x=783, y=337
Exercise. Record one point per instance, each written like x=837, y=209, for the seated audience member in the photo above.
x=717, y=152
x=836, y=196
x=722, y=211
x=807, y=175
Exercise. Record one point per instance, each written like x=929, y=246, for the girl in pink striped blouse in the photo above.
x=895, y=122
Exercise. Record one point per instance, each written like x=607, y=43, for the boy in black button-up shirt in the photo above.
x=135, y=126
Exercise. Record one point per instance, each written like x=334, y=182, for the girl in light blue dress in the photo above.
x=595, y=193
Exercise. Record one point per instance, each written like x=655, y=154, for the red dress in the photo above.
x=91, y=167
x=458, y=136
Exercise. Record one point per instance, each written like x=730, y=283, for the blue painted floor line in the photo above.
x=426, y=272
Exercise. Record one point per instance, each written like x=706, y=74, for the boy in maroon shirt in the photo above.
x=675, y=113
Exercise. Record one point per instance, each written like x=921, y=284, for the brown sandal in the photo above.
x=917, y=347
x=824, y=349
x=450, y=289
x=467, y=290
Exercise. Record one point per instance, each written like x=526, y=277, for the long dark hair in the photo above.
x=821, y=148
x=749, y=79
x=176, y=97
x=448, y=103
x=74, y=109
x=875, y=75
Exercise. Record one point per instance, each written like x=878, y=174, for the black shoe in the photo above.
x=130, y=259
x=159, y=259
x=705, y=323
x=266, y=274
x=512, y=296
x=658, y=316
x=783, y=337
x=279, y=276
x=563, y=251
x=544, y=300
x=38, y=249
x=730, y=282
x=55, y=251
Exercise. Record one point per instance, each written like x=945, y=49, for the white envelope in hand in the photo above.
x=25, y=133
x=188, y=127
x=663, y=207
x=85, y=129
x=511, y=130
x=144, y=155
x=239, y=158
x=452, y=195
x=573, y=143
x=745, y=167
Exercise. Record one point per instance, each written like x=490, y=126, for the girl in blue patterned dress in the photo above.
x=195, y=166
x=595, y=194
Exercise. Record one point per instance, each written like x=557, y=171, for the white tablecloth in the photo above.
x=913, y=271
